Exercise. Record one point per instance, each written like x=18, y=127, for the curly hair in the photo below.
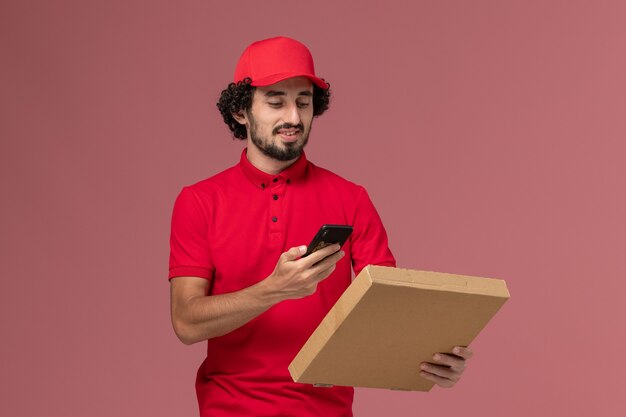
x=237, y=97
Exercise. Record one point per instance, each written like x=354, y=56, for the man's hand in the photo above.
x=296, y=277
x=447, y=368
x=197, y=316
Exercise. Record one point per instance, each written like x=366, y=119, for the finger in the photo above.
x=464, y=352
x=442, y=382
x=321, y=275
x=327, y=263
x=293, y=253
x=441, y=371
x=320, y=254
x=453, y=361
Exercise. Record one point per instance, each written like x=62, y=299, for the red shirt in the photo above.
x=231, y=229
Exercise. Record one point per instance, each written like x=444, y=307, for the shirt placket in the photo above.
x=277, y=221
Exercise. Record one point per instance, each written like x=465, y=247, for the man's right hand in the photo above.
x=297, y=277
x=197, y=316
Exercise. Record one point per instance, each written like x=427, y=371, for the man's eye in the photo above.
x=275, y=104
x=303, y=105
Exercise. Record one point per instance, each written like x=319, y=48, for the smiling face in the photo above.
x=279, y=120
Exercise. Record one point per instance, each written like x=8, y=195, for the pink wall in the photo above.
x=489, y=134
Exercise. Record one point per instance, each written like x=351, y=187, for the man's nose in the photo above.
x=293, y=115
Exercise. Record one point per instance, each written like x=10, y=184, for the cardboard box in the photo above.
x=389, y=320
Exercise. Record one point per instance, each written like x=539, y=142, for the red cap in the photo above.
x=272, y=60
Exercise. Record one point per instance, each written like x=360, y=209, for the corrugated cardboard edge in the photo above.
x=337, y=314
x=438, y=281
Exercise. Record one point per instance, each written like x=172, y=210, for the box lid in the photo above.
x=389, y=320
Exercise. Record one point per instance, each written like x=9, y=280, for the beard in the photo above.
x=288, y=152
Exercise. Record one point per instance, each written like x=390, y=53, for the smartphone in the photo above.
x=329, y=234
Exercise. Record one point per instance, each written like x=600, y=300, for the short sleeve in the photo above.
x=369, y=243
x=189, y=248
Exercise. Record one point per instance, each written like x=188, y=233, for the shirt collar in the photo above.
x=262, y=179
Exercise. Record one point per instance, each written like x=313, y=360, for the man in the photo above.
x=237, y=277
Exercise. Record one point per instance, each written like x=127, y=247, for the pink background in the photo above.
x=490, y=135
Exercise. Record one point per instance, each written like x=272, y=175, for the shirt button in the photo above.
x=275, y=180
x=274, y=219
x=288, y=181
x=263, y=186
x=275, y=197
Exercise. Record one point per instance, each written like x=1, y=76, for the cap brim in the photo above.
x=275, y=78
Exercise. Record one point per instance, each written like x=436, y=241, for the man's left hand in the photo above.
x=446, y=369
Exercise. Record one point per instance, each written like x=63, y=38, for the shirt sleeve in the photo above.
x=189, y=248
x=369, y=243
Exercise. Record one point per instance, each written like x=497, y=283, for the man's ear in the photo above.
x=241, y=118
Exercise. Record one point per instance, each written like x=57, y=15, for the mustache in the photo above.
x=299, y=126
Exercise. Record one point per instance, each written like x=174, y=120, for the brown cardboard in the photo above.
x=389, y=320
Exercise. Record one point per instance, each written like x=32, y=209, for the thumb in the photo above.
x=293, y=253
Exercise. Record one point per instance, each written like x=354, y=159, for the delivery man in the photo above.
x=237, y=276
